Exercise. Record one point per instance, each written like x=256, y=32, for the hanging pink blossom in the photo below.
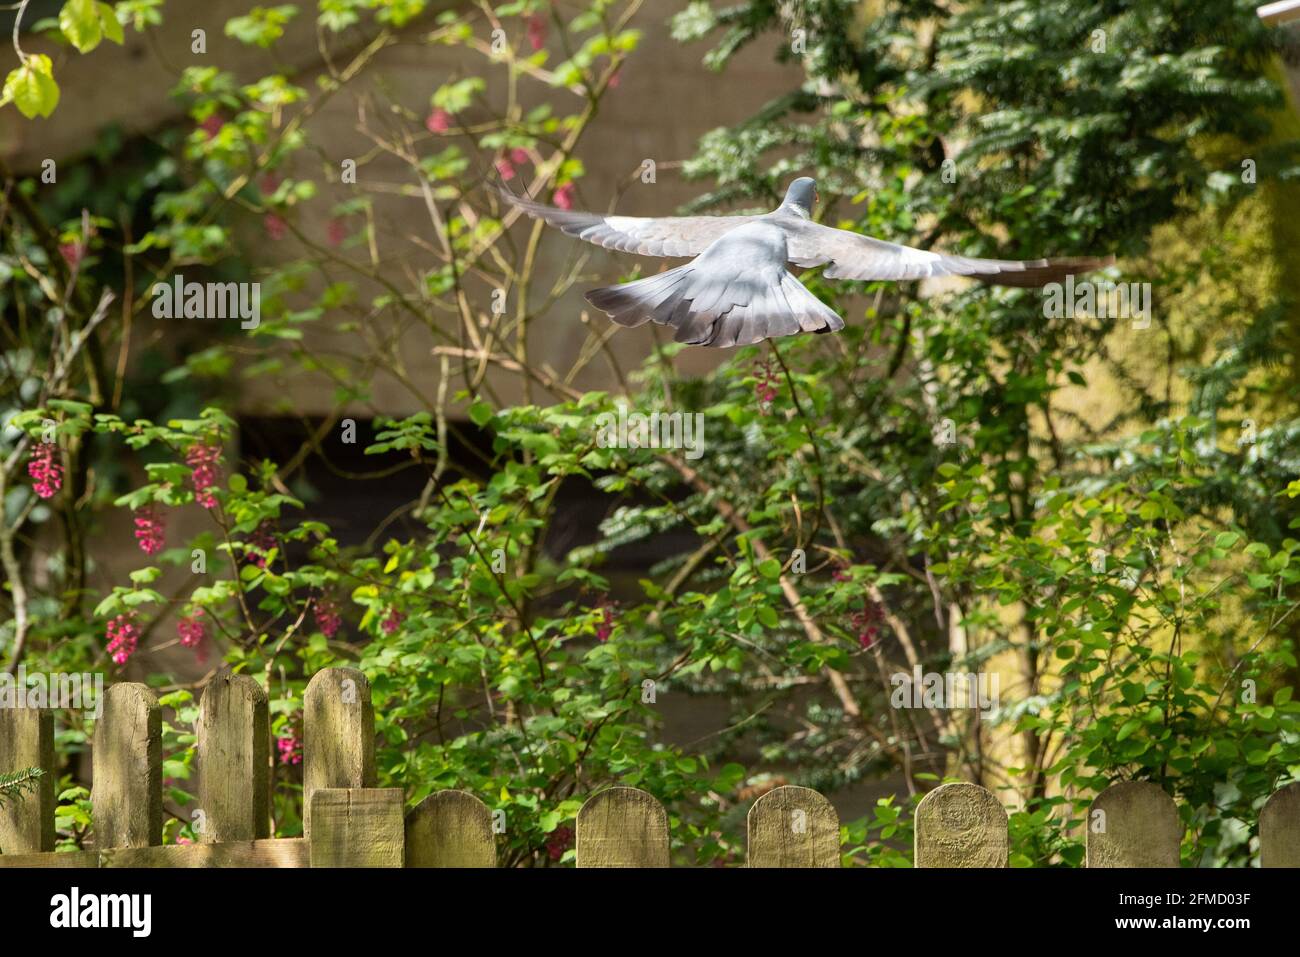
x=536, y=32
x=439, y=121
x=123, y=635
x=72, y=253
x=336, y=232
x=192, y=629
x=867, y=624
x=290, y=748
x=203, y=459
x=260, y=544
x=328, y=619
x=519, y=156
x=564, y=196
x=150, y=529
x=45, y=469
x=559, y=841
x=605, y=627
x=615, y=78
x=392, y=621
x=212, y=125
x=505, y=168
x=269, y=184
x=276, y=228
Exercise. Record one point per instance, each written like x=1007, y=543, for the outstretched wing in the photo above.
x=645, y=236
x=855, y=256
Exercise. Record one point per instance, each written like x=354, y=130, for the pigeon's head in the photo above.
x=802, y=195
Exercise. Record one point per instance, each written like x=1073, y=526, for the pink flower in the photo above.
x=203, y=458
x=505, y=168
x=149, y=529
x=192, y=629
x=260, y=544
x=336, y=232
x=212, y=125
x=71, y=253
x=270, y=183
x=867, y=624
x=564, y=196
x=392, y=621
x=439, y=121
x=45, y=469
x=606, y=626
x=536, y=32
x=328, y=619
x=518, y=156
x=123, y=636
x=290, y=748
x=559, y=841
x=615, y=78
x=765, y=387
x=183, y=840
x=276, y=228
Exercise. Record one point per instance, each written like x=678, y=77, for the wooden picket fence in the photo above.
x=348, y=822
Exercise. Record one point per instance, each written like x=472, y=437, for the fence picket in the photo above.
x=234, y=754
x=622, y=827
x=27, y=741
x=127, y=788
x=961, y=825
x=357, y=827
x=338, y=735
x=450, y=829
x=1279, y=828
x=1133, y=824
x=793, y=826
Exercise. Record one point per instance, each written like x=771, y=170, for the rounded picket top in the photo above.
x=793, y=826
x=450, y=829
x=126, y=792
x=622, y=827
x=338, y=735
x=961, y=825
x=1133, y=824
x=1279, y=828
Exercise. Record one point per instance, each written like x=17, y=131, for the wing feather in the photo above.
x=855, y=256
x=675, y=236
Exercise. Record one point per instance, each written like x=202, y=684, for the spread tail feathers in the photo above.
x=721, y=310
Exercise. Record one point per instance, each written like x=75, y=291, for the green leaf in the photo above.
x=109, y=24
x=480, y=413
x=31, y=87
x=80, y=22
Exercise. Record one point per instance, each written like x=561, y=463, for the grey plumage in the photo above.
x=737, y=290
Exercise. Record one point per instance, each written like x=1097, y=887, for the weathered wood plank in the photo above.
x=234, y=756
x=127, y=790
x=68, y=859
x=338, y=735
x=269, y=852
x=622, y=827
x=1133, y=824
x=1279, y=828
x=357, y=827
x=960, y=825
x=793, y=826
x=27, y=741
x=450, y=829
